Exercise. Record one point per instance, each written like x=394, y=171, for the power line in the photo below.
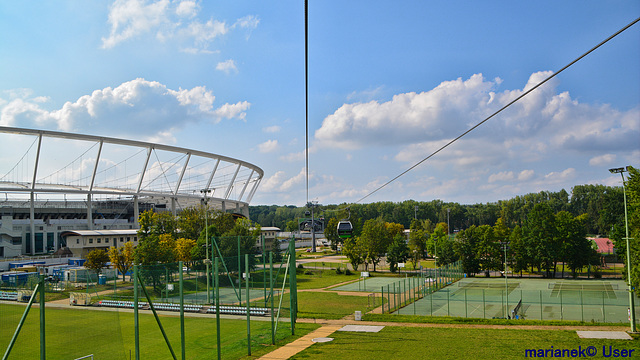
x=503, y=108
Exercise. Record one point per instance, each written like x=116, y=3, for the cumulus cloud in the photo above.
x=279, y=182
x=540, y=126
x=227, y=66
x=145, y=108
x=268, y=146
x=525, y=175
x=501, y=176
x=164, y=19
x=272, y=129
x=601, y=160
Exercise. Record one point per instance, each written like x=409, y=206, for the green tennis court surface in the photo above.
x=227, y=295
x=374, y=284
x=541, y=299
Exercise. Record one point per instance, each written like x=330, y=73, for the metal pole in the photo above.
x=43, y=345
x=632, y=307
x=246, y=280
x=217, y=290
x=135, y=312
x=21, y=323
x=273, y=334
x=181, y=279
x=239, y=274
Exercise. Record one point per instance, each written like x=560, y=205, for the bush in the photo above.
x=300, y=266
x=348, y=272
x=338, y=270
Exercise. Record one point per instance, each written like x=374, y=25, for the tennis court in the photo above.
x=542, y=299
x=372, y=284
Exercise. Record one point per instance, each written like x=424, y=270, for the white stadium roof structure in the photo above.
x=38, y=166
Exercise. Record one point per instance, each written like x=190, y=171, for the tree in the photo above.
x=183, y=248
x=96, y=260
x=397, y=252
x=466, y=247
x=352, y=249
x=331, y=233
x=540, y=230
x=122, y=258
x=417, y=246
x=375, y=240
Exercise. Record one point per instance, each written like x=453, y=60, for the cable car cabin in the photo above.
x=345, y=229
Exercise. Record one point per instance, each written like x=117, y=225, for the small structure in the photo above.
x=79, y=299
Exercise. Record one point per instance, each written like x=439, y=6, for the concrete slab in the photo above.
x=614, y=335
x=361, y=328
x=322, y=339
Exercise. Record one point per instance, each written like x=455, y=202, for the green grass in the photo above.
x=318, y=279
x=72, y=333
x=421, y=319
x=327, y=305
x=453, y=343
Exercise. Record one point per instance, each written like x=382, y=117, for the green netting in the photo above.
x=580, y=300
x=106, y=328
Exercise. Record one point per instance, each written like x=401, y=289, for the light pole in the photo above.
x=505, y=246
x=632, y=310
x=313, y=204
x=206, y=234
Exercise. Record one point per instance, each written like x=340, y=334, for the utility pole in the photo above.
x=206, y=235
x=632, y=309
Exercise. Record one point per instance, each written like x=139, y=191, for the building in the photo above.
x=81, y=242
x=268, y=237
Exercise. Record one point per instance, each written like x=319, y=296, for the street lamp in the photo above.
x=206, y=234
x=505, y=246
x=313, y=204
x=632, y=310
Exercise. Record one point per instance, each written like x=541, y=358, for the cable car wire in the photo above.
x=499, y=111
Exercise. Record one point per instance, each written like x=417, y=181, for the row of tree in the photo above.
x=164, y=239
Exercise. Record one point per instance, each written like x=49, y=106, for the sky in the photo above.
x=389, y=83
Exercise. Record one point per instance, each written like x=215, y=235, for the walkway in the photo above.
x=300, y=344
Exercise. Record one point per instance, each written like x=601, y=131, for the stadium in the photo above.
x=54, y=182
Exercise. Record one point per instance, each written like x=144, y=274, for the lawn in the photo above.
x=455, y=343
x=318, y=279
x=72, y=333
x=328, y=305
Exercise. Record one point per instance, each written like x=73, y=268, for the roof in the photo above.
x=269, y=228
x=605, y=245
x=99, y=232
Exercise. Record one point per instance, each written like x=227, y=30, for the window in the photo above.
x=106, y=241
x=90, y=241
x=128, y=239
x=77, y=241
x=98, y=240
x=121, y=239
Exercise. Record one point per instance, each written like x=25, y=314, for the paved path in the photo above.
x=300, y=344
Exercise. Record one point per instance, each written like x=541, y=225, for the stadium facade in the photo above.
x=55, y=182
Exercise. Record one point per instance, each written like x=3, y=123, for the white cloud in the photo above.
x=166, y=20
x=602, y=160
x=525, y=175
x=131, y=18
x=268, y=146
x=553, y=178
x=227, y=66
x=280, y=183
x=188, y=9
x=501, y=176
x=140, y=107
x=272, y=129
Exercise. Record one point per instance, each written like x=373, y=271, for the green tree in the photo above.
x=331, y=233
x=540, y=230
x=96, y=260
x=398, y=252
x=466, y=248
x=375, y=240
x=352, y=249
x=122, y=258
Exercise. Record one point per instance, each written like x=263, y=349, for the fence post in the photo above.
x=273, y=334
x=540, y=291
x=216, y=278
x=181, y=280
x=466, y=313
x=43, y=346
x=246, y=280
x=135, y=312
x=484, y=306
x=581, y=306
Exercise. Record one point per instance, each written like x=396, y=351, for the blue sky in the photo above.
x=389, y=82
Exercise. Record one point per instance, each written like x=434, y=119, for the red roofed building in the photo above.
x=605, y=245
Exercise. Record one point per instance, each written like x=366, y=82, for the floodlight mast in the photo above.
x=632, y=310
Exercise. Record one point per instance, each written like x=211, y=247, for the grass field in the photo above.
x=72, y=333
x=453, y=343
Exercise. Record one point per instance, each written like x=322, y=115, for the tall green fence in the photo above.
x=226, y=308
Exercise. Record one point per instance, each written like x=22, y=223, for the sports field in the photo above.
x=228, y=296
x=73, y=333
x=370, y=284
x=541, y=299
